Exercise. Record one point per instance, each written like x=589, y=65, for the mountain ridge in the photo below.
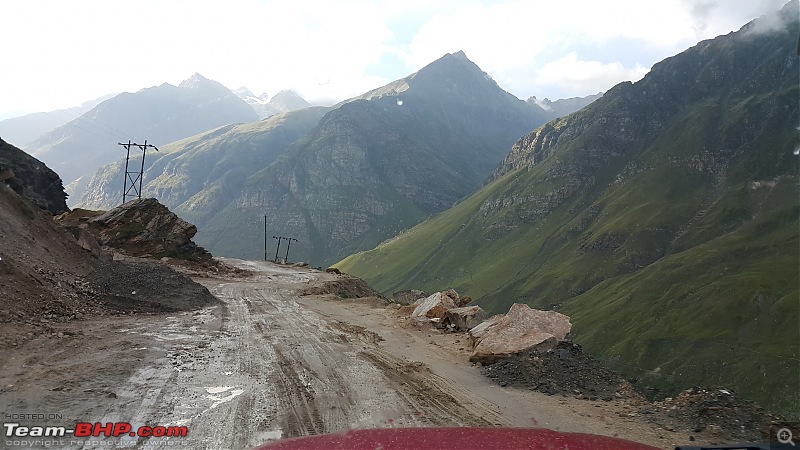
x=661, y=218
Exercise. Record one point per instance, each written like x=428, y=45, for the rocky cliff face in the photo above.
x=31, y=179
x=662, y=218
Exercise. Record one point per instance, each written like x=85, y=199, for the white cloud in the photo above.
x=58, y=53
x=577, y=77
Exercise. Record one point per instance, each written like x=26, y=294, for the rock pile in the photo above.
x=564, y=370
x=493, y=339
x=718, y=412
x=445, y=309
x=143, y=286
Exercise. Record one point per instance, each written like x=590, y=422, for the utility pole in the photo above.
x=279, y=246
x=265, y=237
x=137, y=190
x=286, y=259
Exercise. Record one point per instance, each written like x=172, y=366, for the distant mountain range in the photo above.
x=564, y=106
x=264, y=106
x=339, y=179
x=662, y=218
x=160, y=114
x=22, y=130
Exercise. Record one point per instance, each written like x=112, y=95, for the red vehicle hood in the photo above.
x=456, y=438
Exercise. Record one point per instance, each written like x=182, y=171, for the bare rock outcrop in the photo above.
x=140, y=227
x=521, y=329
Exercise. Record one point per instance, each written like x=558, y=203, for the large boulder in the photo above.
x=141, y=227
x=521, y=329
x=435, y=305
x=477, y=332
x=464, y=318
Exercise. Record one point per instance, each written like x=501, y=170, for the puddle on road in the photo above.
x=220, y=400
x=272, y=435
x=218, y=389
x=170, y=331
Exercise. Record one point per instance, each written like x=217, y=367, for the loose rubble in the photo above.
x=716, y=412
x=564, y=370
x=144, y=286
x=52, y=274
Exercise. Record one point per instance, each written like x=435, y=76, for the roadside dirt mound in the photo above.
x=48, y=278
x=716, y=412
x=142, y=286
x=345, y=286
x=565, y=370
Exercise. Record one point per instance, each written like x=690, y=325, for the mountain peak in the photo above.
x=195, y=81
x=242, y=92
x=460, y=55
x=288, y=100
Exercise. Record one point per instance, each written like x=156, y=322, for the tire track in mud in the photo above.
x=435, y=399
x=298, y=401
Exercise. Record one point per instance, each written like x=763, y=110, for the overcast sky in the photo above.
x=60, y=53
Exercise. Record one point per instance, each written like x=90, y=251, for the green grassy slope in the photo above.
x=663, y=220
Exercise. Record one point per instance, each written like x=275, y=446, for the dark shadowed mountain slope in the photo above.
x=159, y=114
x=663, y=218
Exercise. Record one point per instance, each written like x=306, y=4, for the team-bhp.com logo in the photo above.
x=86, y=429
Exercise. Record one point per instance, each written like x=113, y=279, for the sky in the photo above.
x=59, y=53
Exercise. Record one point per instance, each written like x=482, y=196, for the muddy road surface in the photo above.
x=267, y=364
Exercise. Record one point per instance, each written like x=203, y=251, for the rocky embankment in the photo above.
x=52, y=274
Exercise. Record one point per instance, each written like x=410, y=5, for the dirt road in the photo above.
x=269, y=364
